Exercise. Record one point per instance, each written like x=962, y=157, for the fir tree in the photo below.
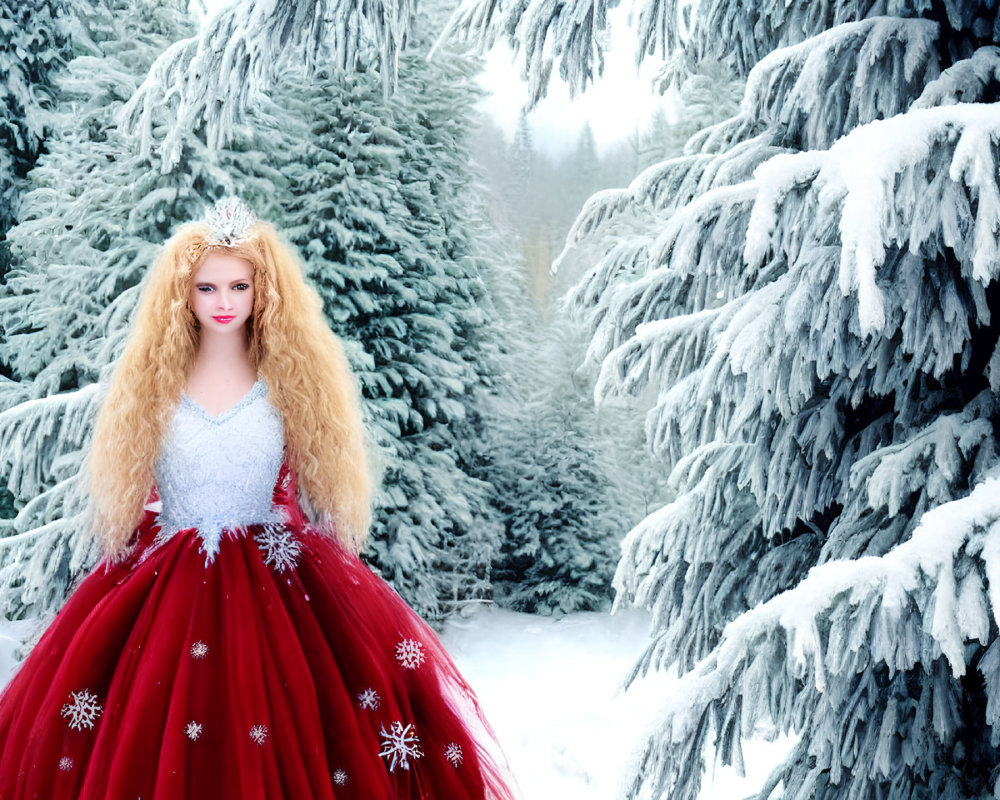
x=564, y=515
x=381, y=209
x=33, y=43
x=212, y=78
x=811, y=293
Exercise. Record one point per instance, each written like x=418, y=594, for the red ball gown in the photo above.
x=239, y=653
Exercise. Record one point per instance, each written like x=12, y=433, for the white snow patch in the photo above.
x=550, y=688
x=11, y=636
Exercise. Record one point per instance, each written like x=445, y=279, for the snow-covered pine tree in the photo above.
x=89, y=229
x=812, y=293
x=563, y=513
x=441, y=99
x=33, y=42
x=565, y=496
x=522, y=165
x=213, y=77
x=383, y=211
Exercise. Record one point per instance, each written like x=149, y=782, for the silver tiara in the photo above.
x=231, y=220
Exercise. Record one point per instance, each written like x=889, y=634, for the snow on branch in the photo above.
x=965, y=81
x=673, y=347
x=35, y=433
x=664, y=186
x=944, y=569
x=891, y=475
x=820, y=88
x=574, y=32
x=732, y=31
x=663, y=27
x=37, y=564
x=211, y=78
x=668, y=555
x=868, y=190
x=808, y=94
x=872, y=178
x=811, y=93
x=48, y=541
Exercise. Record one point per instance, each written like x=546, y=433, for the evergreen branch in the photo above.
x=967, y=81
x=212, y=78
x=36, y=432
x=573, y=32
x=788, y=632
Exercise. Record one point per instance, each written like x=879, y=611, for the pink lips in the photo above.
x=224, y=320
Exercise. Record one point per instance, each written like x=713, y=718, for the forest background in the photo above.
x=758, y=399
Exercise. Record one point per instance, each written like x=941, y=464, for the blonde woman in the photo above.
x=231, y=644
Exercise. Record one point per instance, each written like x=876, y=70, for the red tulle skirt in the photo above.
x=283, y=669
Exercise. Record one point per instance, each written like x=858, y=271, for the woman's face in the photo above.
x=222, y=293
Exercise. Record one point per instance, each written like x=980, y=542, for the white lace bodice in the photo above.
x=219, y=471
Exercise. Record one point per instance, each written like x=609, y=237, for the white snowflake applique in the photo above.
x=199, y=650
x=410, y=653
x=65, y=763
x=193, y=730
x=453, y=752
x=83, y=710
x=280, y=548
x=369, y=699
x=259, y=733
x=340, y=777
x=399, y=744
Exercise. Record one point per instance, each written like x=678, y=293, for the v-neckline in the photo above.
x=250, y=395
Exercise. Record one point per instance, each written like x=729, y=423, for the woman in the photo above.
x=231, y=644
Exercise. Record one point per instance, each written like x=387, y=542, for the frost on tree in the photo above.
x=574, y=34
x=809, y=294
x=217, y=74
x=33, y=42
x=559, y=489
x=381, y=212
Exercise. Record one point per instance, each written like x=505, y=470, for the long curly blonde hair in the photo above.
x=302, y=361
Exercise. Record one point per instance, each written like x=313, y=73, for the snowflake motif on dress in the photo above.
x=340, y=777
x=453, y=752
x=199, y=650
x=369, y=699
x=410, y=653
x=280, y=548
x=65, y=763
x=259, y=733
x=399, y=744
x=193, y=730
x=82, y=711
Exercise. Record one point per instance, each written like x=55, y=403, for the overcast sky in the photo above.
x=615, y=105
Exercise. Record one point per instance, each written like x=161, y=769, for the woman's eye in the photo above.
x=242, y=286
x=205, y=289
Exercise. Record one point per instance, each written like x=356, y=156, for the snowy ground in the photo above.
x=550, y=688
